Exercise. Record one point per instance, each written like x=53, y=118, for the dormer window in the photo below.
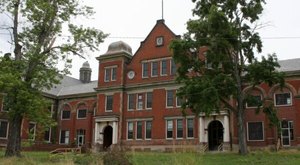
x=110, y=73
x=159, y=41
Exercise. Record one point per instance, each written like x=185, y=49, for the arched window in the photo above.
x=66, y=112
x=283, y=97
x=81, y=111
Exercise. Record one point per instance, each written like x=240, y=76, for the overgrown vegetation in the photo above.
x=290, y=157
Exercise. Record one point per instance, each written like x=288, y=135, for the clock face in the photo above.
x=159, y=41
x=130, y=74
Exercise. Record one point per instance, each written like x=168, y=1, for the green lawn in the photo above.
x=157, y=158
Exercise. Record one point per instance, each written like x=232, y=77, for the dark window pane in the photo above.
x=169, y=128
x=47, y=135
x=139, y=130
x=149, y=100
x=109, y=103
x=130, y=130
x=179, y=128
x=154, y=68
x=81, y=113
x=163, y=67
x=255, y=131
x=170, y=95
x=107, y=75
x=66, y=114
x=190, y=128
x=131, y=101
x=283, y=99
x=145, y=70
x=173, y=67
x=148, y=129
x=3, y=129
x=114, y=73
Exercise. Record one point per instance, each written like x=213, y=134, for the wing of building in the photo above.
x=133, y=105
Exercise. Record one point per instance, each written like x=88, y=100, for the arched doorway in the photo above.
x=107, y=136
x=215, y=135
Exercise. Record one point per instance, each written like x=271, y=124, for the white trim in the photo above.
x=143, y=76
x=156, y=59
x=291, y=98
x=263, y=133
x=145, y=123
x=106, y=103
x=127, y=129
x=139, y=119
x=136, y=130
x=65, y=137
x=85, y=114
x=7, y=128
x=112, y=66
x=177, y=128
x=166, y=132
x=161, y=67
x=105, y=74
x=187, y=129
x=152, y=69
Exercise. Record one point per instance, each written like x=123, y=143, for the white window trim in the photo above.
x=152, y=69
x=85, y=114
x=255, y=106
x=65, y=139
x=50, y=131
x=178, y=106
x=167, y=130
x=34, y=132
x=105, y=74
x=127, y=129
x=145, y=123
x=172, y=106
x=263, y=129
x=136, y=126
x=290, y=140
x=143, y=76
x=106, y=103
x=187, y=128
x=161, y=68
x=111, y=73
x=291, y=97
x=177, y=130
x=137, y=102
x=146, y=99
x=128, y=101
x=61, y=116
x=7, y=129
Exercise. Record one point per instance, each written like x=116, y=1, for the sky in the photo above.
x=132, y=20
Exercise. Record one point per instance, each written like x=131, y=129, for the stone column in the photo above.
x=226, y=129
x=201, y=130
x=115, y=133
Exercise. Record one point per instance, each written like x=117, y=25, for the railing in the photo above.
x=220, y=147
x=204, y=148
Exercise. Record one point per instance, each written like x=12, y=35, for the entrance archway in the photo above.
x=215, y=135
x=107, y=136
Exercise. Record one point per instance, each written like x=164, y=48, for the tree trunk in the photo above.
x=241, y=133
x=14, y=137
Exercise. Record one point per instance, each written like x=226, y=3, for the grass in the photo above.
x=155, y=158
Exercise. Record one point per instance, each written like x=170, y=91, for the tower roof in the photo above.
x=119, y=47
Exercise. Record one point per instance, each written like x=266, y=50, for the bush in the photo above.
x=116, y=157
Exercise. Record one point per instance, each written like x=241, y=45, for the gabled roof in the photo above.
x=289, y=65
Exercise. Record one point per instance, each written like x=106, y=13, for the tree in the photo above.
x=226, y=32
x=37, y=28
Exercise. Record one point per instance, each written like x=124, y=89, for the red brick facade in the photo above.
x=133, y=105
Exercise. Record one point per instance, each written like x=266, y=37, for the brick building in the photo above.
x=133, y=104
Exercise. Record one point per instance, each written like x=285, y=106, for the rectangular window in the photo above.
x=80, y=137
x=178, y=101
x=163, y=65
x=149, y=100
x=173, y=67
x=169, y=129
x=66, y=114
x=145, y=70
x=170, y=98
x=64, y=137
x=190, y=128
x=255, y=101
x=139, y=133
x=130, y=130
x=139, y=101
x=148, y=129
x=255, y=131
x=287, y=132
x=179, y=131
x=109, y=103
x=31, y=131
x=283, y=99
x=47, y=134
x=154, y=69
x=3, y=129
x=81, y=113
x=107, y=74
x=113, y=74
x=131, y=101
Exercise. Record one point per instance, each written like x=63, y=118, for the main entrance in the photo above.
x=107, y=137
x=215, y=135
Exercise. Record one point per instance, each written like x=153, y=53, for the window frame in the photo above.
x=78, y=114
x=7, y=128
x=187, y=128
x=49, y=136
x=146, y=126
x=152, y=69
x=113, y=72
x=132, y=130
x=163, y=68
x=107, y=74
x=106, y=101
x=167, y=130
x=177, y=131
x=167, y=99
x=146, y=100
x=138, y=100
x=145, y=69
x=263, y=131
x=34, y=130
x=128, y=102
x=173, y=68
x=282, y=105
x=66, y=137
x=139, y=135
x=62, y=114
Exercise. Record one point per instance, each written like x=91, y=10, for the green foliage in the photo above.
x=116, y=157
x=226, y=32
x=38, y=29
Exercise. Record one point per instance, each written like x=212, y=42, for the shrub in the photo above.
x=116, y=157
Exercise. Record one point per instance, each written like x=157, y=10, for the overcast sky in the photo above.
x=132, y=20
